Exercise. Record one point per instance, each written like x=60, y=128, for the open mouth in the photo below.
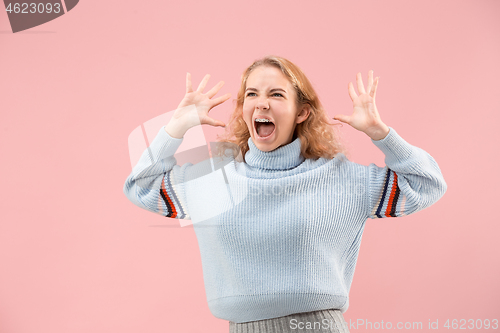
x=264, y=129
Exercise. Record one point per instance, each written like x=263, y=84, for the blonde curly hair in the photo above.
x=318, y=137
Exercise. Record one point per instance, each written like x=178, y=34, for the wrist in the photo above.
x=175, y=129
x=378, y=132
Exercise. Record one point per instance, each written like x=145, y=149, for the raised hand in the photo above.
x=365, y=116
x=194, y=107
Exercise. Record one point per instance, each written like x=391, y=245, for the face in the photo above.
x=271, y=96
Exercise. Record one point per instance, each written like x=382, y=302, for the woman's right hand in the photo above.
x=194, y=107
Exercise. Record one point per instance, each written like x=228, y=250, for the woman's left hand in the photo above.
x=365, y=117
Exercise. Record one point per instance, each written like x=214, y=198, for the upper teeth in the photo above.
x=263, y=120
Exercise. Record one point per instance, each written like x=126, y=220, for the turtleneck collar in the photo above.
x=282, y=158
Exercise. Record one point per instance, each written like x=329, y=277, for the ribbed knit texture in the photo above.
x=280, y=234
x=322, y=321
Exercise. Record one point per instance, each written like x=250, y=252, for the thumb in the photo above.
x=342, y=118
x=214, y=122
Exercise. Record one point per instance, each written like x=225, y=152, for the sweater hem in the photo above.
x=245, y=308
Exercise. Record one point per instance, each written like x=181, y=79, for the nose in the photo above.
x=262, y=103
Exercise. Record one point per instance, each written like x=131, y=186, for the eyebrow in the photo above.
x=269, y=90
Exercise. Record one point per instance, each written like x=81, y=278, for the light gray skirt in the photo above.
x=323, y=321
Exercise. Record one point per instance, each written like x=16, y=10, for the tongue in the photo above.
x=265, y=129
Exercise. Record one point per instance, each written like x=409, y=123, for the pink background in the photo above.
x=77, y=256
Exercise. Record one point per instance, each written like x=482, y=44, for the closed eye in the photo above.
x=273, y=94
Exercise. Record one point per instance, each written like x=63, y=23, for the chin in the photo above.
x=267, y=149
x=266, y=146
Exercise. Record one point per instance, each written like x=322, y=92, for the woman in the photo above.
x=279, y=231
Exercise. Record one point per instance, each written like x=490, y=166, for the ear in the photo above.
x=304, y=113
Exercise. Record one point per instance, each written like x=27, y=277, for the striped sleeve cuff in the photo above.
x=390, y=201
x=410, y=181
x=170, y=199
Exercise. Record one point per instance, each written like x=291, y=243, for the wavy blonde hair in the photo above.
x=318, y=137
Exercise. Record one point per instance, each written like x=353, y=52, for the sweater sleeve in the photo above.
x=156, y=183
x=409, y=182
